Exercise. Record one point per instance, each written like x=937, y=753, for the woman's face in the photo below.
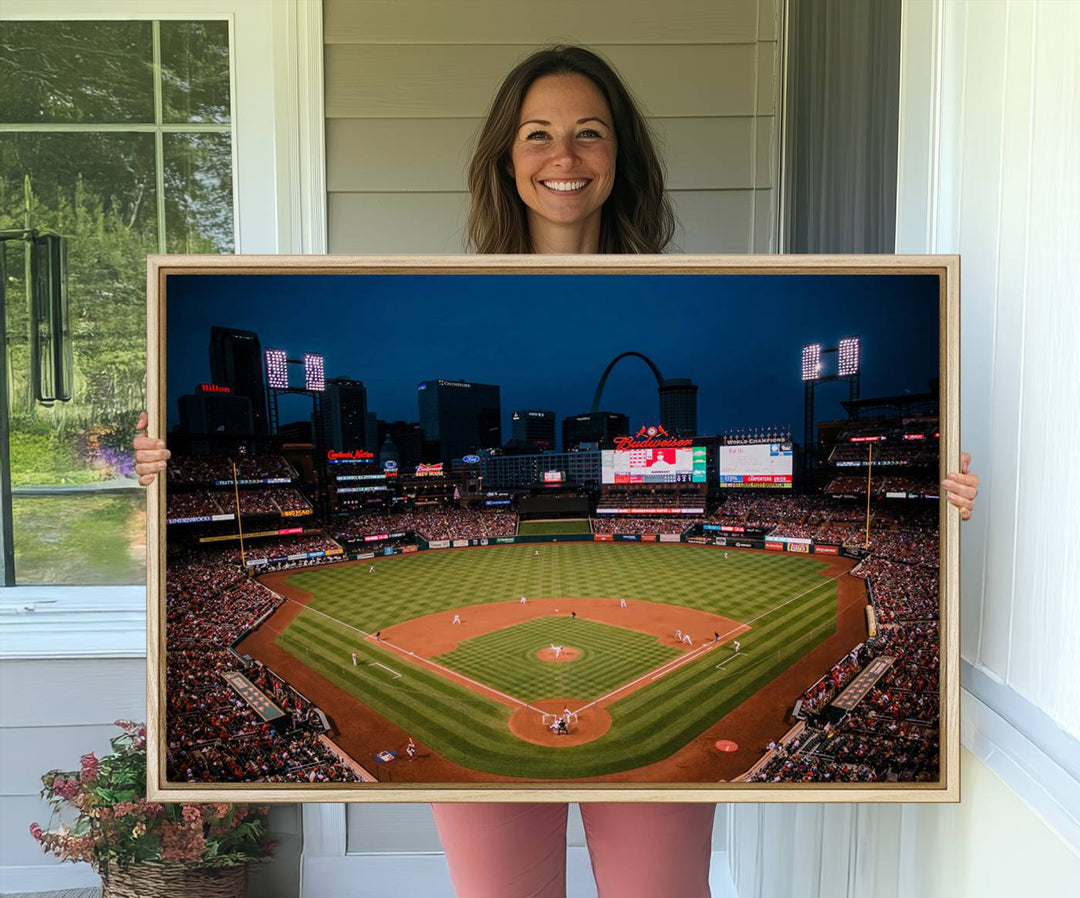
x=563, y=154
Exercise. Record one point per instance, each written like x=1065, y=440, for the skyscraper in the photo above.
x=236, y=362
x=678, y=407
x=461, y=416
x=593, y=427
x=215, y=410
x=344, y=415
x=534, y=429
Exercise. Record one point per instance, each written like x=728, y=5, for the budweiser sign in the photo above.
x=650, y=438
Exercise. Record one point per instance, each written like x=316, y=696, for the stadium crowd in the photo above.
x=643, y=523
x=215, y=468
x=205, y=503
x=212, y=734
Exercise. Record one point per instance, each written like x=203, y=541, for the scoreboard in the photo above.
x=756, y=465
x=653, y=465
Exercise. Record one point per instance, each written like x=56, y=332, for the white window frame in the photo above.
x=276, y=53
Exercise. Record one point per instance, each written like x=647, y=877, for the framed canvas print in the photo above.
x=554, y=528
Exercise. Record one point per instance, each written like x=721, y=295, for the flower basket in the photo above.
x=148, y=849
x=174, y=881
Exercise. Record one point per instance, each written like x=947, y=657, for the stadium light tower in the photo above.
x=277, y=380
x=811, y=361
x=849, y=357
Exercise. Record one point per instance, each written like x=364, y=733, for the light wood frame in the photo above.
x=946, y=268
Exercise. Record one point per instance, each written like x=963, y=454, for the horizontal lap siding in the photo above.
x=51, y=712
x=408, y=83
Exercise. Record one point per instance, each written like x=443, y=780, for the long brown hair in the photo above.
x=637, y=216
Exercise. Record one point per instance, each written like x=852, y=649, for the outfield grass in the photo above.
x=506, y=659
x=553, y=528
x=790, y=606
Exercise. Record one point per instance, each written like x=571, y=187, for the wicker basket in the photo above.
x=151, y=880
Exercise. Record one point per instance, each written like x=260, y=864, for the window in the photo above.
x=116, y=135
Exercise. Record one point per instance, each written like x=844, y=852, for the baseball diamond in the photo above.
x=641, y=696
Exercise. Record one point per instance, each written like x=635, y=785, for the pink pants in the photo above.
x=638, y=850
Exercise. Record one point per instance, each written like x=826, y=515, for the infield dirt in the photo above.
x=752, y=724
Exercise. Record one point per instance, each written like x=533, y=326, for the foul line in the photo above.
x=384, y=667
x=450, y=674
x=664, y=669
x=732, y=658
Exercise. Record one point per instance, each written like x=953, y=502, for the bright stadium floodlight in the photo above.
x=277, y=369
x=849, y=356
x=314, y=373
x=811, y=361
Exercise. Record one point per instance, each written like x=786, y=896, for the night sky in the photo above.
x=546, y=339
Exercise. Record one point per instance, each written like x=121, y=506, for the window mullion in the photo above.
x=159, y=136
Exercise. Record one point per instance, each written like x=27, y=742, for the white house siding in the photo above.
x=408, y=83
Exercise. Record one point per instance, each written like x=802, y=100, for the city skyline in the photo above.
x=545, y=340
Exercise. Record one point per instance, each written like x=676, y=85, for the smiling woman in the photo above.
x=563, y=117
x=563, y=162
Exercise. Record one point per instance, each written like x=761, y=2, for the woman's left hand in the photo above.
x=962, y=487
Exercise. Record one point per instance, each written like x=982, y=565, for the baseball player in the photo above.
x=354, y=659
x=457, y=619
x=715, y=636
x=686, y=639
x=735, y=644
x=378, y=635
x=725, y=554
x=371, y=570
x=573, y=615
x=678, y=635
x=522, y=600
x=410, y=749
x=622, y=603
x=537, y=553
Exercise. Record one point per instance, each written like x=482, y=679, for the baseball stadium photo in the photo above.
x=547, y=529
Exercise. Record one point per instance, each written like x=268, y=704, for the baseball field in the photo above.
x=481, y=692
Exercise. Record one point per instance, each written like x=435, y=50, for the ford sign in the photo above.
x=471, y=459
x=389, y=465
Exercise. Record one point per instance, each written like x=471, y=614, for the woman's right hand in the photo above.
x=150, y=453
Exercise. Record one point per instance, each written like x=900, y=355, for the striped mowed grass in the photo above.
x=609, y=657
x=788, y=604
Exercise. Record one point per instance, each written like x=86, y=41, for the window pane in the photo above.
x=195, y=71
x=81, y=539
x=76, y=72
x=98, y=191
x=198, y=193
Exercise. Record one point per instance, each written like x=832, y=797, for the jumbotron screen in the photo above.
x=653, y=465
x=756, y=465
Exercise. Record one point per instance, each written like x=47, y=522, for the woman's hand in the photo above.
x=150, y=454
x=962, y=487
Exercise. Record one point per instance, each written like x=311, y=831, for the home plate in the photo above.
x=727, y=745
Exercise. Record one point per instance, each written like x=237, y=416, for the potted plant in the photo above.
x=141, y=847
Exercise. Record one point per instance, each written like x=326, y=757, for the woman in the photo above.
x=565, y=164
